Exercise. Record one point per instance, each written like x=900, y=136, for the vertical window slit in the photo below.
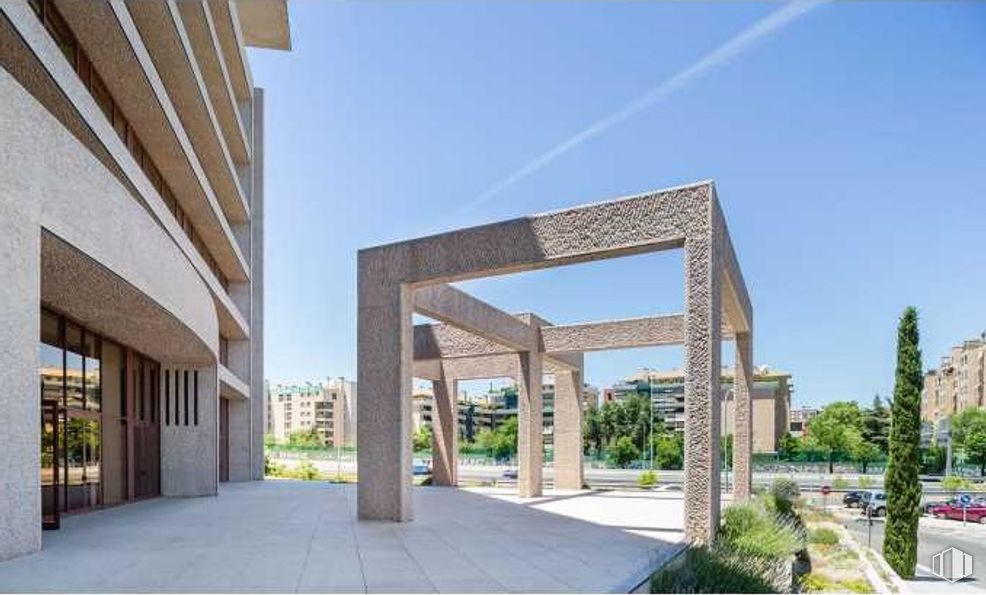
x=195, y=377
x=186, y=397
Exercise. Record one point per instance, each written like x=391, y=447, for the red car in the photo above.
x=975, y=513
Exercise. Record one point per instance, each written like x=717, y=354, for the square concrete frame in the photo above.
x=686, y=217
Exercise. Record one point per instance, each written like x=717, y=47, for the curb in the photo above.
x=640, y=581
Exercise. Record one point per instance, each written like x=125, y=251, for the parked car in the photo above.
x=509, y=474
x=929, y=507
x=974, y=513
x=874, y=503
x=421, y=467
x=853, y=499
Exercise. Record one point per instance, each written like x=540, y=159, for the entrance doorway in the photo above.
x=100, y=427
x=49, y=464
x=223, y=439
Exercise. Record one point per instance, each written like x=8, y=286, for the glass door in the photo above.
x=49, y=464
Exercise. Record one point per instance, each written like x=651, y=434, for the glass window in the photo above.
x=93, y=379
x=73, y=366
x=51, y=356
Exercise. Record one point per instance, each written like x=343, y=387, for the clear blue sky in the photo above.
x=848, y=146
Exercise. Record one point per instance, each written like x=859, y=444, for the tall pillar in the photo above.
x=530, y=425
x=384, y=347
x=743, y=417
x=445, y=433
x=703, y=383
x=20, y=400
x=568, y=431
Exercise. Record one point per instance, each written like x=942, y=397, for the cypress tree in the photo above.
x=901, y=482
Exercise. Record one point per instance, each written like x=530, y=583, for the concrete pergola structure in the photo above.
x=397, y=279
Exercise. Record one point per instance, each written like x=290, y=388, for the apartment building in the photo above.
x=131, y=245
x=958, y=383
x=490, y=410
x=327, y=407
x=771, y=401
x=800, y=418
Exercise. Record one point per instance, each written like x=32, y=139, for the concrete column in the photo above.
x=445, y=433
x=530, y=425
x=384, y=346
x=703, y=384
x=240, y=435
x=258, y=410
x=743, y=417
x=568, y=431
x=190, y=444
x=20, y=400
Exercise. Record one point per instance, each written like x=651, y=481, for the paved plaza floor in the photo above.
x=303, y=537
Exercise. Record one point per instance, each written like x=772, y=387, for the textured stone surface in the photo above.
x=687, y=217
x=383, y=434
x=703, y=310
x=568, y=431
x=63, y=95
x=743, y=430
x=162, y=30
x=445, y=432
x=189, y=453
x=530, y=424
x=112, y=40
x=448, y=304
x=105, y=249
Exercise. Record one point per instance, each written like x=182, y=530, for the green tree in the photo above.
x=305, y=439
x=836, y=430
x=969, y=434
x=876, y=424
x=902, y=485
x=594, y=435
x=624, y=451
x=501, y=442
x=421, y=439
x=789, y=446
x=866, y=453
x=726, y=450
x=669, y=450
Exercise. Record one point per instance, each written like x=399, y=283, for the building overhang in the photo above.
x=265, y=23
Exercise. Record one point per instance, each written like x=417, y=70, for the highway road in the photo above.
x=604, y=478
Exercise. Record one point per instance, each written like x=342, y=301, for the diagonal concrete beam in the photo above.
x=650, y=331
x=458, y=308
x=559, y=343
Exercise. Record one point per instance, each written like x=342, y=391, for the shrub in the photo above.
x=783, y=495
x=954, y=483
x=272, y=468
x=840, y=483
x=865, y=482
x=716, y=570
x=647, y=479
x=751, y=530
x=823, y=536
x=305, y=471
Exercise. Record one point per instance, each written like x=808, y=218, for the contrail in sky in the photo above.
x=735, y=46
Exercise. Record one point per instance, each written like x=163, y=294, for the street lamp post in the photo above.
x=650, y=405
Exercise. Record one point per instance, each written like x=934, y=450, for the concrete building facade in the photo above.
x=475, y=340
x=771, y=401
x=800, y=418
x=324, y=408
x=957, y=384
x=131, y=245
